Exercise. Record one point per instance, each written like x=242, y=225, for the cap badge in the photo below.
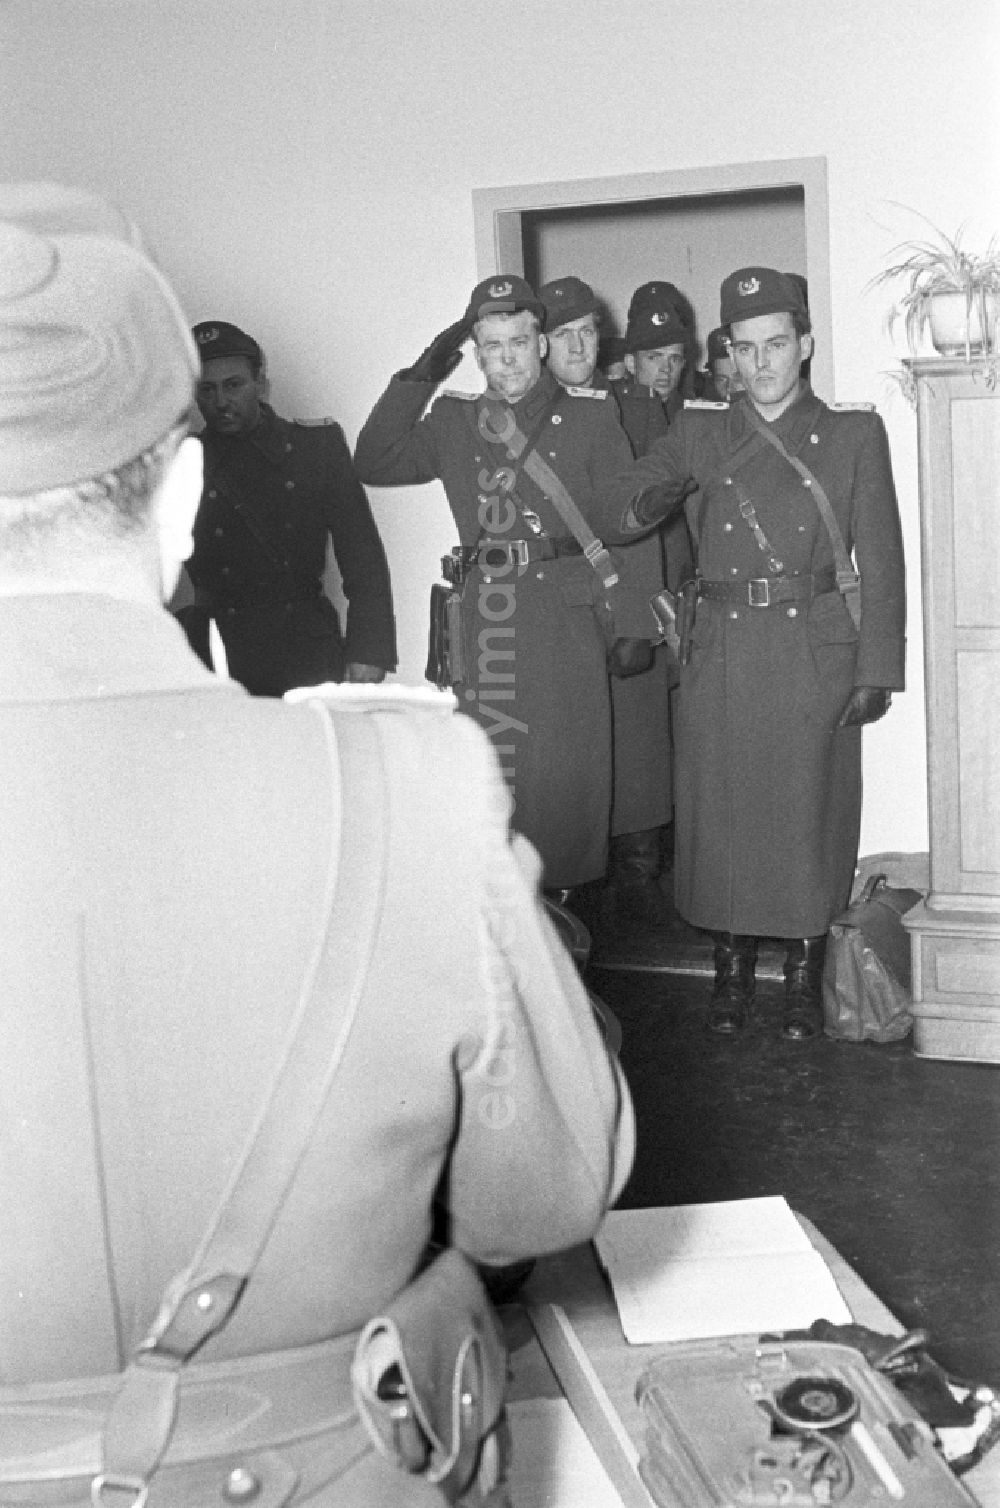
x=501, y=290
x=659, y=319
x=205, y=337
x=748, y=286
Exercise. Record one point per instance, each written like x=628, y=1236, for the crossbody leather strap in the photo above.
x=520, y=447
x=200, y=1299
x=848, y=581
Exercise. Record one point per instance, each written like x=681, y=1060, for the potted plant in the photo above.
x=951, y=291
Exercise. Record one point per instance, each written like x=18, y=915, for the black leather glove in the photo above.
x=441, y=357
x=630, y=657
x=866, y=704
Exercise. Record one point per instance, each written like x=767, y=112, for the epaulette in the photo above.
x=587, y=392
x=370, y=695
x=852, y=408
x=453, y=392
x=712, y=403
x=314, y=423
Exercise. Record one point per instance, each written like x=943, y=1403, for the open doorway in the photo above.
x=690, y=226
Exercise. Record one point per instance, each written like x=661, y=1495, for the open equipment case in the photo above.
x=751, y=1423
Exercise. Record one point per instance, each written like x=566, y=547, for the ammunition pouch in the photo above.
x=445, y=662
x=429, y=1377
x=674, y=611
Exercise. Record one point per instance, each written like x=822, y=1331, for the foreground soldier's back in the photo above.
x=173, y=854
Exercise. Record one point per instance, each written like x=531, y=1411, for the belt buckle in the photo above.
x=520, y=549
x=759, y=592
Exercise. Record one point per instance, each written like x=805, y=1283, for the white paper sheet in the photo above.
x=554, y=1464
x=702, y=1270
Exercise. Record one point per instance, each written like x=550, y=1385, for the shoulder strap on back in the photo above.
x=200, y=1300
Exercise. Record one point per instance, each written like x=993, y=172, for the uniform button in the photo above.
x=557, y=418
x=793, y=612
x=288, y=446
x=213, y=493
x=734, y=570
x=225, y=570
x=729, y=528
x=807, y=481
x=540, y=575
x=241, y=1485
x=289, y=485
x=218, y=533
x=728, y=481
x=479, y=458
x=802, y=528
x=487, y=579
x=733, y=613
x=814, y=439
x=552, y=454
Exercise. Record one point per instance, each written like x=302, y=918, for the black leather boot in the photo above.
x=634, y=875
x=732, y=999
x=803, y=1014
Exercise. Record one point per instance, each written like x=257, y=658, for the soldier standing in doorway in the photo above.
x=642, y=808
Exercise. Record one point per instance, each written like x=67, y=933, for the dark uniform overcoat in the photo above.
x=535, y=672
x=768, y=788
x=271, y=500
x=643, y=755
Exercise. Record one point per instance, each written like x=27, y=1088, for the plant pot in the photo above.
x=956, y=329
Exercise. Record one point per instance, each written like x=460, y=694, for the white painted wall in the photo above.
x=305, y=168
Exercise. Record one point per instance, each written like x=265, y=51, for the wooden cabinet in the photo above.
x=955, y=933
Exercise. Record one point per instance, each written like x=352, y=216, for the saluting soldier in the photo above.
x=532, y=662
x=780, y=677
x=642, y=801
x=275, y=492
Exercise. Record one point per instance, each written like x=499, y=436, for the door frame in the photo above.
x=499, y=239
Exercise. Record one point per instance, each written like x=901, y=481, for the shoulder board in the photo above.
x=852, y=408
x=587, y=392
x=710, y=403
x=453, y=392
x=314, y=423
x=372, y=696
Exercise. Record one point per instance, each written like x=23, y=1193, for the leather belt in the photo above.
x=498, y=554
x=769, y=591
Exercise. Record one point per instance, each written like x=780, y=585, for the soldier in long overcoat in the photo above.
x=642, y=803
x=534, y=628
x=780, y=679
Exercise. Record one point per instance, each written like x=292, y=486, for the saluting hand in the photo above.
x=441, y=357
x=866, y=704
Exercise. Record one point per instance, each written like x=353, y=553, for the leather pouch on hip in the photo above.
x=428, y=1378
x=664, y=605
x=674, y=612
x=444, y=642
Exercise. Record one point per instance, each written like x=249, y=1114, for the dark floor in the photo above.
x=895, y=1158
